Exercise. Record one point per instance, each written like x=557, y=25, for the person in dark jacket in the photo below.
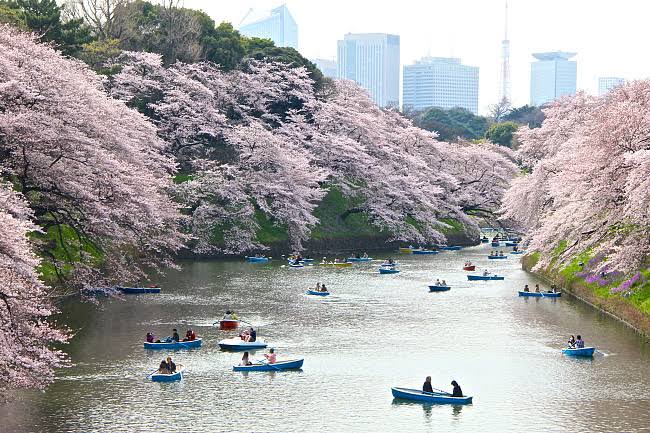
x=171, y=367
x=175, y=335
x=457, y=391
x=427, y=385
x=253, y=335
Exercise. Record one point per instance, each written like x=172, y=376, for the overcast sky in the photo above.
x=610, y=37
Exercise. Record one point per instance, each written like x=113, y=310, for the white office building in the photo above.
x=327, y=67
x=605, y=84
x=440, y=82
x=551, y=76
x=277, y=25
x=372, y=60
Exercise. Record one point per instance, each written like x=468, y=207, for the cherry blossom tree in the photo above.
x=26, y=359
x=91, y=169
x=589, y=183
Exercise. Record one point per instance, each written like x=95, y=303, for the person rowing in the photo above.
x=457, y=392
x=323, y=288
x=526, y=288
x=537, y=288
x=426, y=387
x=580, y=344
x=271, y=357
x=175, y=336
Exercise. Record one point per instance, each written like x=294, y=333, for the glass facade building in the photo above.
x=605, y=84
x=551, y=76
x=372, y=60
x=327, y=67
x=440, y=82
x=278, y=25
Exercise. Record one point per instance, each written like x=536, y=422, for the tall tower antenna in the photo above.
x=504, y=85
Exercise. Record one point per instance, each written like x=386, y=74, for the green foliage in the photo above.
x=502, y=133
x=269, y=232
x=224, y=45
x=526, y=115
x=100, y=55
x=453, y=123
x=10, y=14
x=455, y=226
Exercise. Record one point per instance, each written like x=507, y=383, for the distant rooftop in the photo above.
x=429, y=60
x=554, y=55
x=259, y=15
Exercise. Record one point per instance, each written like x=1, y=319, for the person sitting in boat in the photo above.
x=188, y=335
x=437, y=282
x=457, y=392
x=500, y=253
x=572, y=342
x=444, y=283
x=244, y=334
x=553, y=288
x=365, y=255
x=171, y=367
x=250, y=335
x=245, y=360
x=391, y=261
x=526, y=288
x=427, y=385
x=162, y=368
x=515, y=248
x=150, y=337
x=536, y=288
x=270, y=357
x=580, y=344
x=323, y=288
x=486, y=273
x=318, y=288
x=175, y=336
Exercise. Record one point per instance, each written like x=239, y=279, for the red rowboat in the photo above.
x=228, y=324
x=469, y=268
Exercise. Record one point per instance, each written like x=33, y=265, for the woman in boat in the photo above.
x=457, y=392
x=171, y=367
x=580, y=344
x=162, y=369
x=175, y=336
x=150, y=337
x=318, y=289
x=526, y=288
x=244, y=335
x=188, y=335
x=572, y=342
x=245, y=360
x=536, y=288
x=270, y=357
x=427, y=385
x=251, y=335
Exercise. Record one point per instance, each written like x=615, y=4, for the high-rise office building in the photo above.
x=277, y=25
x=605, y=84
x=440, y=82
x=327, y=67
x=551, y=76
x=372, y=60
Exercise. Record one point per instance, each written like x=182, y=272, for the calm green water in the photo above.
x=374, y=332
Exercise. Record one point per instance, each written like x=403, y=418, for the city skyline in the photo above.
x=473, y=30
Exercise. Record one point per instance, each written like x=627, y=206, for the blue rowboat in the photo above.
x=237, y=344
x=512, y=244
x=484, y=277
x=425, y=252
x=257, y=259
x=175, y=345
x=315, y=293
x=293, y=364
x=451, y=248
x=540, y=294
x=517, y=252
x=359, y=259
x=497, y=257
x=496, y=244
x=429, y=397
x=584, y=351
x=296, y=265
x=439, y=288
x=388, y=270
x=180, y=370
x=485, y=240
x=138, y=290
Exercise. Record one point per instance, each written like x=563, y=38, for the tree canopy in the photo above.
x=502, y=133
x=452, y=124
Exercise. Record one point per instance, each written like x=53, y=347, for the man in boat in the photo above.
x=580, y=344
x=486, y=273
x=323, y=288
x=365, y=255
x=437, y=282
x=444, y=283
x=162, y=369
x=526, y=289
x=270, y=357
x=150, y=337
x=457, y=392
x=427, y=385
x=175, y=336
x=171, y=367
x=251, y=336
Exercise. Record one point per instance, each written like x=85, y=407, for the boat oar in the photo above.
x=148, y=376
x=441, y=391
x=264, y=361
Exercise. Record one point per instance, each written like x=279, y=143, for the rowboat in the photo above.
x=407, y=250
x=484, y=240
x=315, y=293
x=159, y=377
x=469, y=268
x=512, y=244
x=540, y=294
x=584, y=351
x=359, y=259
x=451, y=248
x=296, y=265
x=175, y=345
x=257, y=259
x=228, y=324
x=388, y=270
x=292, y=364
x=484, y=277
x=496, y=243
x=429, y=397
x=237, y=344
x=337, y=264
x=425, y=252
x=517, y=252
x=138, y=290
x=435, y=288
x=497, y=257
